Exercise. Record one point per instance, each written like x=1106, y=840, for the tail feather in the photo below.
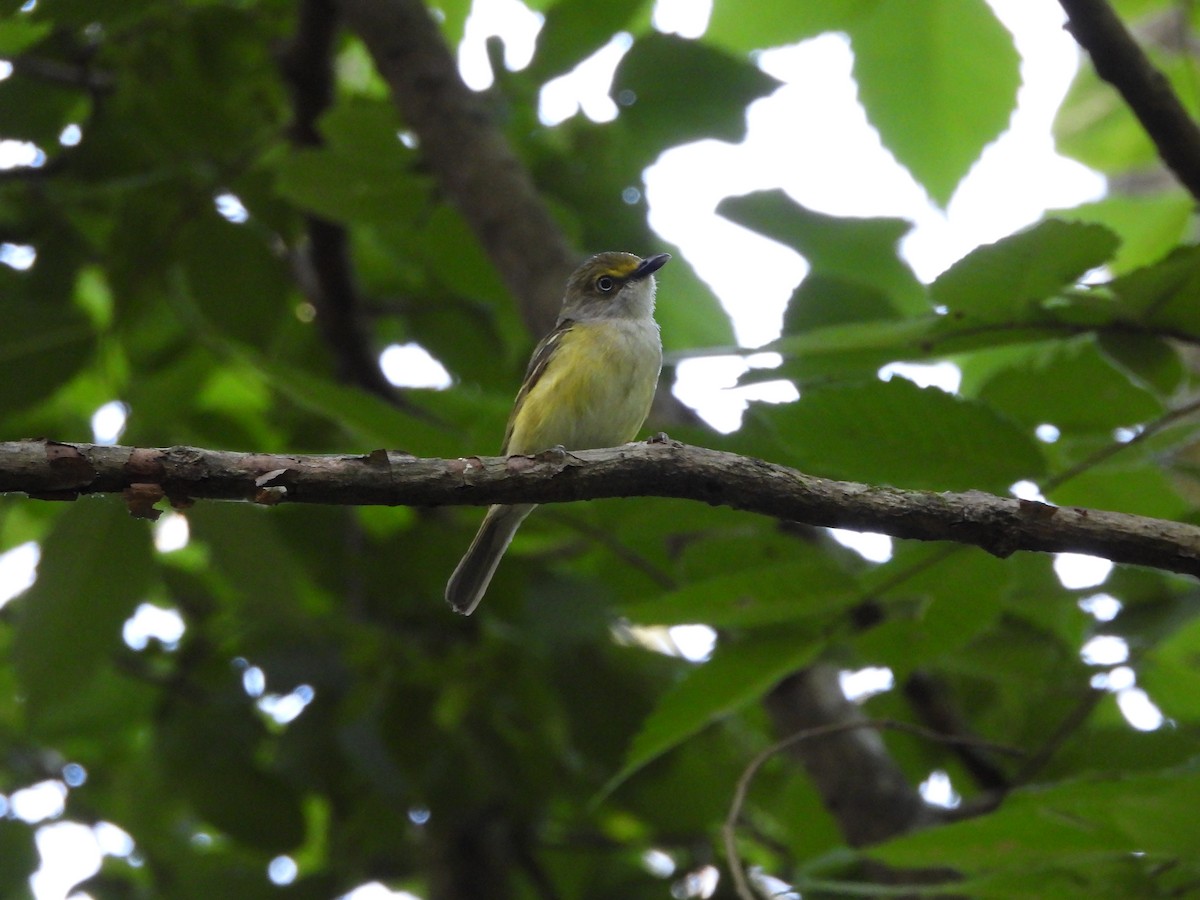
x=474, y=572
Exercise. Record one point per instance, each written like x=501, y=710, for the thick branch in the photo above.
x=1120, y=61
x=467, y=153
x=1000, y=525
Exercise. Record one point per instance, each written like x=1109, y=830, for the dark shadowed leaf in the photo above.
x=96, y=566
x=663, y=111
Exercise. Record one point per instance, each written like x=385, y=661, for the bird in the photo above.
x=589, y=384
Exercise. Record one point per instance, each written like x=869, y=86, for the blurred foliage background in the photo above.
x=208, y=237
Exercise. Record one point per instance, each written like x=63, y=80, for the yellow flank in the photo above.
x=595, y=391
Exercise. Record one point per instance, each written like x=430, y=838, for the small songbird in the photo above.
x=589, y=384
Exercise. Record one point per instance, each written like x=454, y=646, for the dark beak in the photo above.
x=650, y=265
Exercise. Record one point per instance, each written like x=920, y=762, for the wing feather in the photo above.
x=542, y=355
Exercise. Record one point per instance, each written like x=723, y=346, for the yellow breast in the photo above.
x=595, y=391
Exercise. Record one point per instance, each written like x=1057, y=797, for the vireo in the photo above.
x=589, y=384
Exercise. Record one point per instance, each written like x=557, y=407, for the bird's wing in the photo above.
x=541, y=358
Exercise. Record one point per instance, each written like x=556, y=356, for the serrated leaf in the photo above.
x=1004, y=280
x=774, y=23
x=855, y=250
x=737, y=674
x=1146, y=225
x=893, y=433
x=939, y=80
x=1162, y=296
x=95, y=566
x=705, y=96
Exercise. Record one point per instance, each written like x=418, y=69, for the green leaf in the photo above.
x=207, y=750
x=1146, y=225
x=1070, y=822
x=575, y=29
x=373, y=422
x=1170, y=675
x=737, y=674
x=1162, y=296
x=705, y=94
x=18, y=858
x=20, y=33
x=1150, y=361
x=822, y=301
x=1124, y=486
x=1004, y=280
x=1088, y=393
x=238, y=284
x=855, y=250
x=95, y=566
x=42, y=346
x=688, y=312
x=939, y=80
x=773, y=23
x=894, y=433
x=377, y=176
x=1096, y=126
x=764, y=595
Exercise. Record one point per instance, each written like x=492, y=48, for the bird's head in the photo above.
x=613, y=285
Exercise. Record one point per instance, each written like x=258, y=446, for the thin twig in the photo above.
x=1075, y=718
x=607, y=539
x=1110, y=450
x=729, y=828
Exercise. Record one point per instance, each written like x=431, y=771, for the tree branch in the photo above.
x=1120, y=61
x=52, y=470
x=468, y=153
x=323, y=266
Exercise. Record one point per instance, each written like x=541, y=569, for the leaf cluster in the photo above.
x=543, y=748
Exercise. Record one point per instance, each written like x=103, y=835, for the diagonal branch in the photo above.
x=999, y=525
x=1120, y=61
x=468, y=153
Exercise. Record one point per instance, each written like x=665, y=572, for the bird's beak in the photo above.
x=649, y=266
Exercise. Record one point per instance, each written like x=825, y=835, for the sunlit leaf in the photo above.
x=939, y=80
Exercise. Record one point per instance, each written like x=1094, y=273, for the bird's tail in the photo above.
x=470, y=580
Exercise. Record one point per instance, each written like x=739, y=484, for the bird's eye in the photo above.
x=604, y=284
